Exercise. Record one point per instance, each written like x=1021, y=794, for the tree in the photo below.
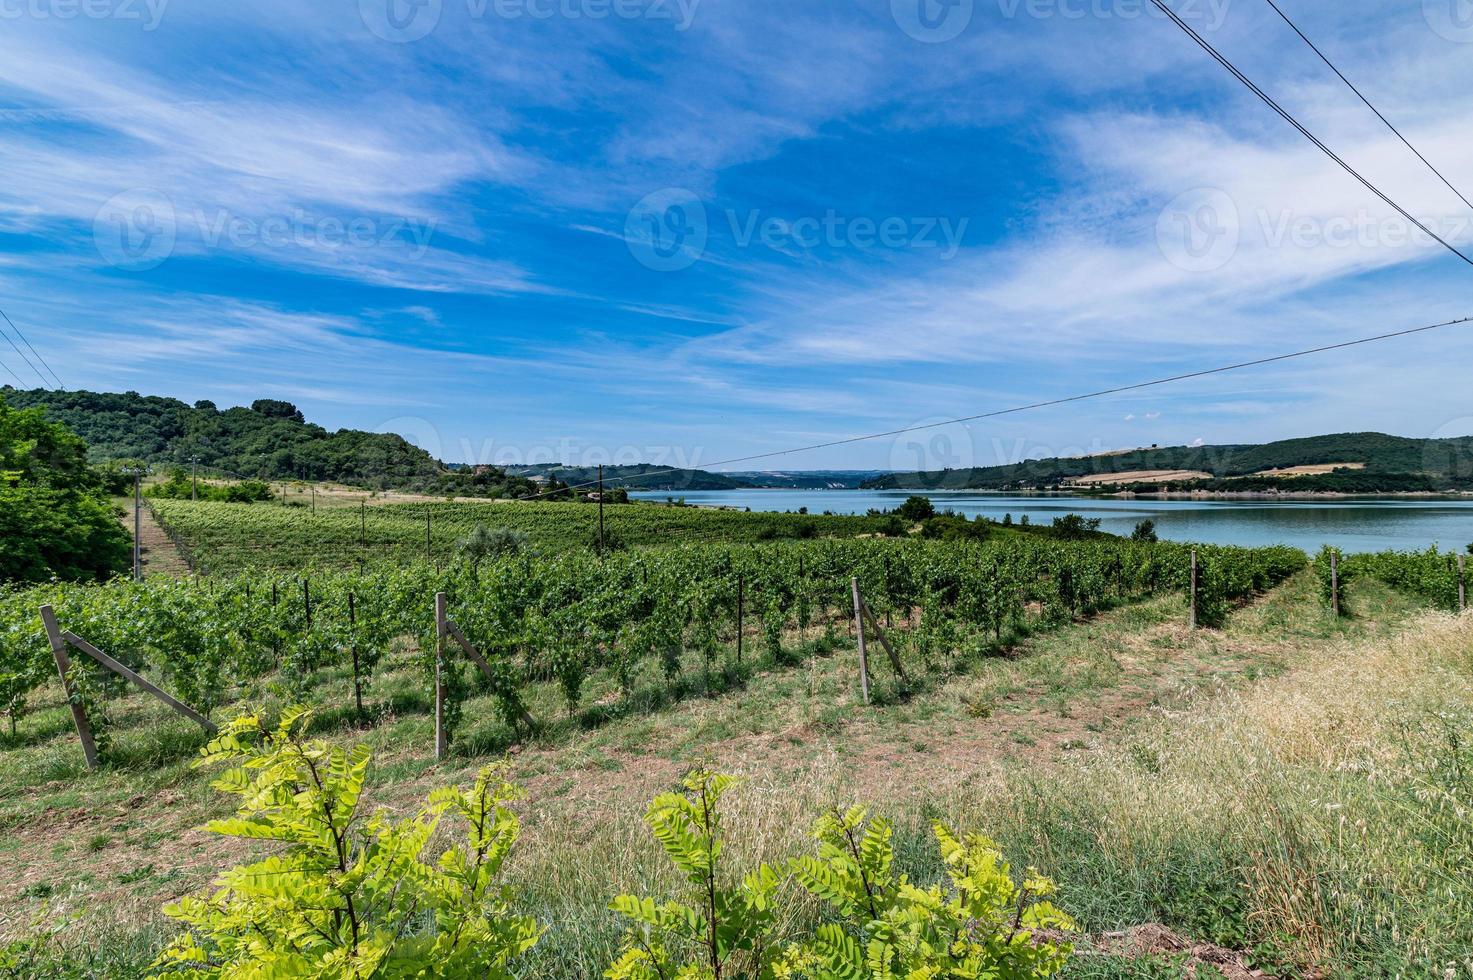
x=1073, y=527
x=274, y=409
x=483, y=543
x=917, y=509
x=1145, y=532
x=54, y=520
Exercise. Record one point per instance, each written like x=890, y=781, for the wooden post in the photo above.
x=129, y=675
x=307, y=600
x=600, y=509
x=63, y=667
x=1335, y=584
x=1194, y=589
x=1462, y=584
x=353, y=631
x=884, y=641
x=527, y=721
x=429, y=554
x=859, y=632
x=363, y=524
x=137, y=526
x=442, y=741
x=741, y=614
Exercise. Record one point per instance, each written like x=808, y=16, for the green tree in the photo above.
x=54, y=520
x=917, y=509
x=1145, y=532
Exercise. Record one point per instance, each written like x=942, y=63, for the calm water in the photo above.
x=1358, y=524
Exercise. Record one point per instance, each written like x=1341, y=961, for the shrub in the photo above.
x=1145, y=532
x=347, y=895
x=877, y=924
x=983, y=925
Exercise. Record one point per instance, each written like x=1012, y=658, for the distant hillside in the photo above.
x=660, y=478
x=270, y=440
x=642, y=477
x=808, y=479
x=1359, y=462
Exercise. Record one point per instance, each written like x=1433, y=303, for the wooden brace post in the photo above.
x=63, y=667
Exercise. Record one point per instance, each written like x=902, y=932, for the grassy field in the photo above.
x=1290, y=787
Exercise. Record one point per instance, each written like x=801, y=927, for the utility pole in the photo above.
x=194, y=477
x=600, y=509
x=136, y=472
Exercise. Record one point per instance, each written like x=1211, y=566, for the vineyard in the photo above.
x=689, y=612
x=639, y=627
x=225, y=538
x=1438, y=579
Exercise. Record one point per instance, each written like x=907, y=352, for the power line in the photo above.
x=32, y=350
x=1268, y=100
x=1367, y=101
x=1037, y=405
x=23, y=357
x=11, y=373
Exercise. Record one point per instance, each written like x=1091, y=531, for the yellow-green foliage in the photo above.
x=717, y=927
x=878, y=925
x=348, y=896
x=984, y=925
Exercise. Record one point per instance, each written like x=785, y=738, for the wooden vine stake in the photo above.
x=862, y=615
x=741, y=613
x=1462, y=583
x=61, y=640
x=859, y=632
x=442, y=742
x=1335, y=584
x=353, y=633
x=1194, y=589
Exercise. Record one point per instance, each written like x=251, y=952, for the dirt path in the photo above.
x=160, y=555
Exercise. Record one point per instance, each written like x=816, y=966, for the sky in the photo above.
x=683, y=231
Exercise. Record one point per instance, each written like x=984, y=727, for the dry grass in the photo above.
x=1317, y=470
x=1142, y=476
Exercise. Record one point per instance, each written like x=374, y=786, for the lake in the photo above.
x=1350, y=523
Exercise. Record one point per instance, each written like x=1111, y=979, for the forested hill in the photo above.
x=269, y=440
x=1358, y=462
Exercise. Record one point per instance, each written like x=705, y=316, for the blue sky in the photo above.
x=685, y=230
